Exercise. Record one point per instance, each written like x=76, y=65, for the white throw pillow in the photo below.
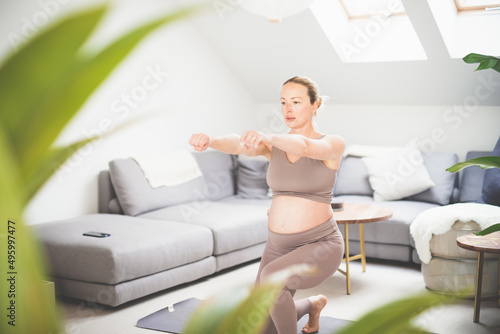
x=398, y=175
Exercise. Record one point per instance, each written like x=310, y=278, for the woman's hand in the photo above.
x=199, y=141
x=252, y=139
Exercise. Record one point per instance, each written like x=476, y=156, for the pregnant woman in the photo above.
x=302, y=170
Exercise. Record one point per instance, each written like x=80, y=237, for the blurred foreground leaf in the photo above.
x=239, y=310
x=397, y=317
x=243, y=309
x=62, y=78
x=42, y=86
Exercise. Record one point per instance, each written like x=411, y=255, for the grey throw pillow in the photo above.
x=218, y=171
x=352, y=178
x=136, y=196
x=444, y=181
x=251, y=178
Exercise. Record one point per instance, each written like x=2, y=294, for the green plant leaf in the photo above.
x=242, y=310
x=485, y=61
x=57, y=156
x=488, y=63
x=65, y=96
x=252, y=314
x=207, y=317
x=396, y=317
x=489, y=229
x=28, y=75
x=238, y=310
x=87, y=74
x=476, y=58
x=53, y=160
x=33, y=111
x=483, y=162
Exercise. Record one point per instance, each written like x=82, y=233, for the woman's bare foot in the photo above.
x=318, y=303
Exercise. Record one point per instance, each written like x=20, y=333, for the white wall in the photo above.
x=192, y=91
x=439, y=128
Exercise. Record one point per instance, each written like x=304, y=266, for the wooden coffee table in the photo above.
x=359, y=214
x=483, y=244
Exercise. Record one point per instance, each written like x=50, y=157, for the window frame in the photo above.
x=472, y=8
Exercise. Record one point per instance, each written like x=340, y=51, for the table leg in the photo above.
x=479, y=281
x=348, y=278
x=362, y=246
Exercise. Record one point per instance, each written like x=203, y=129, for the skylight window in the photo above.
x=464, y=5
x=368, y=30
x=369, y=8
x=468, y=26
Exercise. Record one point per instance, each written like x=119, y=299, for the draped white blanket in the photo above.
x=170, y=169
x=440, y=220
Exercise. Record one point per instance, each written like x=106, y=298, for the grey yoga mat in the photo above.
x=173, y=322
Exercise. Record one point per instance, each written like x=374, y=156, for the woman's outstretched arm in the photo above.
x=230, y=144
x=330, y=147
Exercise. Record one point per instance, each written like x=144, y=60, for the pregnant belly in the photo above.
x=290, y=214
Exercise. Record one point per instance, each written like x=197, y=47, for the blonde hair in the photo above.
x=312, y=88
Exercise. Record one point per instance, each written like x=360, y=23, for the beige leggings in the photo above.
x=322, y=246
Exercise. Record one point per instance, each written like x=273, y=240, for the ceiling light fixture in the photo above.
x=275, y=10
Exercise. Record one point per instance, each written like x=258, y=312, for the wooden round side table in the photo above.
x=489, y=243
x=359, y=214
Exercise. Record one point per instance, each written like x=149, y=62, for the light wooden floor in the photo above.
x=381, y=283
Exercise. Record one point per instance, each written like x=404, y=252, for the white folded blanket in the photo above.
x=440, y=220
x=170, y=169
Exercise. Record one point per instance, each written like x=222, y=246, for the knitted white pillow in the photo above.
x=399, y=174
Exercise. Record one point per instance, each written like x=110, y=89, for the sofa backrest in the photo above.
x=471, y=179
x=353, y=178
x=125, y=189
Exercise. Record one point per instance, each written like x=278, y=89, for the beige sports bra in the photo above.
x=306, y=178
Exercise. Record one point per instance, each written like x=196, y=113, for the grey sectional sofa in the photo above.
x=167, y=236
x=160, y=237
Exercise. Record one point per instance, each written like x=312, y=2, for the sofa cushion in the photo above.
x=491, y=184
x=352, y=178
x=233, y=226
x=436, y=164
x=136, y=196
x=399, y=174
x=251, y=178
x=219, y=172
x=136, y=248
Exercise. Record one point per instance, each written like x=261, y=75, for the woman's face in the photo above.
x=296, y=106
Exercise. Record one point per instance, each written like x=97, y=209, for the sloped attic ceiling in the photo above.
x=264, y=54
